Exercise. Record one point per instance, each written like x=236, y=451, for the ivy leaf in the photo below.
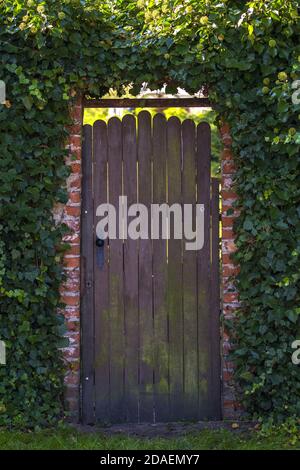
x=28, y=102
x=248, y=225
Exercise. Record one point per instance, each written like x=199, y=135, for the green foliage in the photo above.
x=289, y=428
x=92, y=114
x=247, y=53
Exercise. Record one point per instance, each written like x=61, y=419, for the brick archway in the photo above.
x=70, y=214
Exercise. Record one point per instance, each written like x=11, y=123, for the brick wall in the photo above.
x=230, y=301
x=70, y=291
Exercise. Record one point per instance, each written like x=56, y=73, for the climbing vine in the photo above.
x=247, y=54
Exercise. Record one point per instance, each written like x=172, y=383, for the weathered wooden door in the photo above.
x=150, y=308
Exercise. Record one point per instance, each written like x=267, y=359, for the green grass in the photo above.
x=69, y=439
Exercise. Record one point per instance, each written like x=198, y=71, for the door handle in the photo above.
x=100, y=252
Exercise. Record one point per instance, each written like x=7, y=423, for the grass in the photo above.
x=70, y=439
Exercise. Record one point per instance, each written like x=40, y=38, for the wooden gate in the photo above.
x=150, y=308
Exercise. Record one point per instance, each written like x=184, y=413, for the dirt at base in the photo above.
x=166, y=430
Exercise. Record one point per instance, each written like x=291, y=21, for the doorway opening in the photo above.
x=150, y=309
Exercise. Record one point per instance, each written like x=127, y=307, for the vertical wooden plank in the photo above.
x=161, y=346
x=175, y=273
x=215, y=302
x=101, y=280
x=190, y=340
x=87, y=267
x=131, y=274
x=145, y=273
x=204, y=272
x=116, y=299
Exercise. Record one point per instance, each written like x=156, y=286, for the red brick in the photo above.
x=76, y=111
x=71, y=285
x=72, y=262
x=71, y=238
x=72, y=325
x=227, y=258
x=228, y=246
x=72, y=312
x=74, y=197
x=229, y=404
x=227, y=205
x=74, y=182
x=227, y=140
x=227, y=154
x=73, y=223
x=228, y=194
x=71, y=217
x=70, y=300
x=71, y=353
x=228, y=221
x=229, y=365
x=76, y=167
x=73, y=210
x=74, y=141
x=224, y=129
x=228, y=167
x=73, y=337
x=230, y=270
x=74, y=275
x=75, y=128
x=227, y=376
x=230, y=297
x=228, y=234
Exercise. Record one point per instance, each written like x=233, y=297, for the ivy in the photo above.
x=248, y=55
